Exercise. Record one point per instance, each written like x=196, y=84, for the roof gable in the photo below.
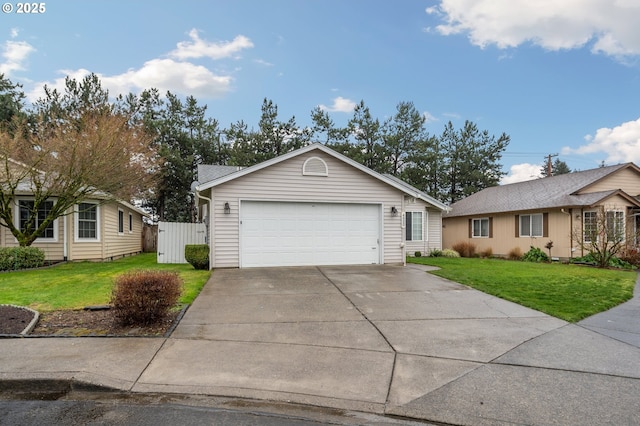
x=565, y=190
x=394, y=182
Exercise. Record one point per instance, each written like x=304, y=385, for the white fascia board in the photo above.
x=437, y=204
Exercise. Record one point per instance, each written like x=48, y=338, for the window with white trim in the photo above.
x=87, y=222
x=615, y=225
x=414, y=225
x=480, y=228
x=130, y=223
x=26, y=210
x=120, y=221
x=531, y=225
x=590, y=222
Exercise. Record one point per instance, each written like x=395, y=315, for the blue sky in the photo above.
x=560, y=77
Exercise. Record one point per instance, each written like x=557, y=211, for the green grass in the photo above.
x=76, y=285
x=569, y=292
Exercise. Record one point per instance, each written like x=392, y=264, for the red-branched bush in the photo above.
x=145, y=297
x=465, y=248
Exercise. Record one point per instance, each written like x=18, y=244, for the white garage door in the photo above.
x=296, y=234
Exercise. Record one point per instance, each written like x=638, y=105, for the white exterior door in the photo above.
x=297, y=234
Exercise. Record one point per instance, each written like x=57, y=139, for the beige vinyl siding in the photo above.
x=628, y=180
x=85, y=249
x=284, y=182
x=432, y=234
x=111, y=244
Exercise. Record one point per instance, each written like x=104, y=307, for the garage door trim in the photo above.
x=379, y=208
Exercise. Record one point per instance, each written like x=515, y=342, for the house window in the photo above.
x=590, y=226
x=26, y=207
x=130, y=223
x=120, y=222
x=480, y=228
x=531, y=225
x=414, y=226
x=87, y=221
x=615, y=225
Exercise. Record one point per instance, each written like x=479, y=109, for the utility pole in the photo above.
x=549, y=165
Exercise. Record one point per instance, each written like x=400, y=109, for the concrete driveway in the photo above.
x=381, y=339
x=393, y=340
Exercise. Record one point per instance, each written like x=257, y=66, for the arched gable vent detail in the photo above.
x=315, y=166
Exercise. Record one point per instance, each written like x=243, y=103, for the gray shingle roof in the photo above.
x=551, y=192
x=420, y=194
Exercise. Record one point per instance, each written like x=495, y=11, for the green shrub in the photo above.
x=450, y=253
x=417, y=254
x=20, y=258
x=465, y=249
x=535, y=255
x=614, y=262
x=197, y=255
x=435, y=253
x=145, y=297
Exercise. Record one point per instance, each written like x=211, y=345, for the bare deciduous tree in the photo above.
x=99, y=155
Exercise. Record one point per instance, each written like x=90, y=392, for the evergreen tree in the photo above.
x=558, y=167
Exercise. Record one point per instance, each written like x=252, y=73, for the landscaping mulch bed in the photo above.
x=77, y=323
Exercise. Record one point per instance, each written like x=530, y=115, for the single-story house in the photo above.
x=313, y=206
x=95, y=229
x=556, y=208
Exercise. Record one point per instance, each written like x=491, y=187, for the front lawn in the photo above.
x=76, y=285
x=569, y=292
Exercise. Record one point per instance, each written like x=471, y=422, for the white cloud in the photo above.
x=609, y=26
x=621, y=144
x=428, y=117
x=165, y=74
x=199, y=48
x=182, y=78
x=15, y=54
x=263, y=62
x=521, y=173
x=340, y=104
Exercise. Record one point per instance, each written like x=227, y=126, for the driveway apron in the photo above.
x=395, y=340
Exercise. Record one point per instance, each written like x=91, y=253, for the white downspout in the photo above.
x=210, y=225
x=65, y=241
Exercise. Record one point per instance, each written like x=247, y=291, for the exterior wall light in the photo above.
x=394, y=211
x=227, y=208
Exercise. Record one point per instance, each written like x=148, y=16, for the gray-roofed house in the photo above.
x=94, y=229
x=313, y=206
x=555, y=208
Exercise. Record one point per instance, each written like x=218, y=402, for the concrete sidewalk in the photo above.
x=380, y=339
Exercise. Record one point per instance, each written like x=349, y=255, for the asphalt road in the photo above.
x=97, y=408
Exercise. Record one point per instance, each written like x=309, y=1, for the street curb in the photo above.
x=50, y=386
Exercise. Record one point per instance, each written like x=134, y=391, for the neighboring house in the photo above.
x=92, y=230
x=313, y=206
x=556, y=208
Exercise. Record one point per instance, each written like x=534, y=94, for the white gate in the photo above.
x=173, y=236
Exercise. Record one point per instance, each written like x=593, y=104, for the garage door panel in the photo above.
x=290, y=234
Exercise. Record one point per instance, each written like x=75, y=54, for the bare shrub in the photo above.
x=487, y=253
x=631, y=255
x=515, y=254
x=465, y=249
x=145, y=297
